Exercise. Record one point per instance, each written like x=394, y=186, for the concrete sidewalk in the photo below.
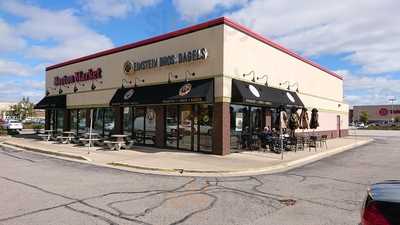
x=173, y=162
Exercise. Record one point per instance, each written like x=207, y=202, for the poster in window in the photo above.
x=239, y=122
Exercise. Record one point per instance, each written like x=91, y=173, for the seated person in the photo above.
x=266, y=136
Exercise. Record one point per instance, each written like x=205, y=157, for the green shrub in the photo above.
x=28, y=125
x=3, y=131
x=37, y=127
x=383, y=128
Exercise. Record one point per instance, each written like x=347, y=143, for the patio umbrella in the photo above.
x=294, y=119
x=282, y=123
x=282, y=118
x=314, y=119
x=304, y=121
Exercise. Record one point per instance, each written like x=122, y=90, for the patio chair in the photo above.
x=300, y=142
x=312, y=143
x=322, y=141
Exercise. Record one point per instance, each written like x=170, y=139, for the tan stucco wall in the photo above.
x=112, y=65
x=317, y=89
x=243, y=54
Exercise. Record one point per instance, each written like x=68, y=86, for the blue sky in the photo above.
x=360, y=42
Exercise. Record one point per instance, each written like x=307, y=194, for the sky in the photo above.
x=359, y=40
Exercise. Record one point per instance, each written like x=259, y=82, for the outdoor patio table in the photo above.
x=118, y=143
x=92, y=134
x=68, y=136
x=49, y=132
x=86, y=141
x=45, y=137
x=119, y=137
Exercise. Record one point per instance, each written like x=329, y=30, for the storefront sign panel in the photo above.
x=79, y=76
x=130, y=67
x=184, y=100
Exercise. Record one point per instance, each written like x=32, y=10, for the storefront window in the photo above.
x=171, y=126
x=128, y=116
x=256, y=120
x=205, y=121
x=240, y=125
x=74, y=120
x=109, y=121
x=138, y=125
x=59, y=120
x=82, y=120
x=150, y=123
x=52, y=114
x=98, y=119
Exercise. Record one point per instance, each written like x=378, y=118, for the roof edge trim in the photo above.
x=187, y=30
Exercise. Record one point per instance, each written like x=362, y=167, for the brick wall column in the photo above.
x=221, y=128
x=160, y=126
x=47, y=119
x=119, y=120
x=67, y=120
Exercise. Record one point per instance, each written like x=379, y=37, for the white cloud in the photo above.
x=369, y=90
x=192, y=10
x=13, y=91
x=36, y=85
x=60, y=33
x=367, y=31
x=9, y=39
x=105, y=9
x=12, y=68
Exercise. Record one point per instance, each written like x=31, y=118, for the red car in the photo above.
x=382, y=204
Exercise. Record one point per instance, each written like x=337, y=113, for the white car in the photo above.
x=13, y=125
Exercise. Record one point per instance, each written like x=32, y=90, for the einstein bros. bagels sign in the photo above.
x=131, y=67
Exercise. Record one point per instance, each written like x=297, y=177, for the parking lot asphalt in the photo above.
x=36, y=189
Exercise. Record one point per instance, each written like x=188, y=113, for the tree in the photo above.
x=364, y=117
x=397, y=119
x=22, y=109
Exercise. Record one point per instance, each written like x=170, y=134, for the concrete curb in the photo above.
x=60, y=154
x=271, y=169
x=281, y=167
x=173, y=170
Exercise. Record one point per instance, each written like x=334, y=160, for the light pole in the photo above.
x=392, y=99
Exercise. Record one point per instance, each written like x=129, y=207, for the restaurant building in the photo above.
x=196, y=89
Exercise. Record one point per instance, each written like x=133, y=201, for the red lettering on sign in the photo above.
x=79, y=76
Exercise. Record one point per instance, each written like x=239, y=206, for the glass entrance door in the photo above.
x=189, y=127
x=186, y=127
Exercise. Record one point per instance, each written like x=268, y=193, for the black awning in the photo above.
x=249, y=93
x=52, y=102
x=183, y=92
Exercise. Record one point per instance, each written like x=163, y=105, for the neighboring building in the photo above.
x=377, y=113
x=351, y=116
x=201, y=88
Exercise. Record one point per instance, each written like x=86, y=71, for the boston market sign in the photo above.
x=80, y=76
